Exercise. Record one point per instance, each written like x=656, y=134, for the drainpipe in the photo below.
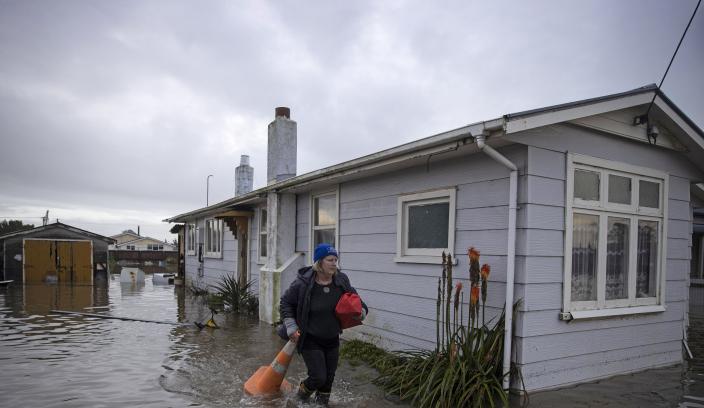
x=480, y=140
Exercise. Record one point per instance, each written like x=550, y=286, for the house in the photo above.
x=128, y=240
x=54, y=253
x=584, y=211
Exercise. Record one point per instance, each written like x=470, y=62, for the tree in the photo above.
x=7, y=227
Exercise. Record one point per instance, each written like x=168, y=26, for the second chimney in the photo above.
x=244, y=176
x=281, y=148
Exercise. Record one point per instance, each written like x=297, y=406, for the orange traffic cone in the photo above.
x=270, y=379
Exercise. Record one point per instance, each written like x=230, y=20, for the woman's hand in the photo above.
x=295, y=336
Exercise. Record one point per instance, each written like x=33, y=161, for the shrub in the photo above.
x=465, y=368
x=237, y=295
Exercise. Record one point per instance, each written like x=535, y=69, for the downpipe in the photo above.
x=480, y=140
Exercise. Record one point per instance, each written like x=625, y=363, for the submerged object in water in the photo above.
x=131, y=275
x=163, y=278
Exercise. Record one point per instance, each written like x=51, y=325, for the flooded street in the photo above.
x=57, y=360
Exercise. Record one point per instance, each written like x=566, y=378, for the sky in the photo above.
x=113, y=113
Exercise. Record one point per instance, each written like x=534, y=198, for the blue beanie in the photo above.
x=323, y=250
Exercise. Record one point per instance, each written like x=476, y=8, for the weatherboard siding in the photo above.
x=402, y=296
x=550, y=352
x=214, y=268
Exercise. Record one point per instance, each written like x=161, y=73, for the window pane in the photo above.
x=586, y=185
x=619, y=189
x=694, y=271
x=646, y=279
x=325, y=212
x=262, y=246
x=262, y=220
x=649, y=194
x=428, y=225
x=326, y=236
x=617, y=259
x=585, y=240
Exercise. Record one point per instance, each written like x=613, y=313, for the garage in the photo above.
x=63, y=261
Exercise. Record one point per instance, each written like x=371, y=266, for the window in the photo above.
x=324, y=219
x=262, y=235
x=213, y=238
x=130, y=247
x=191, y=239
x=155, y=247
x=614, y=248
x=426, y=226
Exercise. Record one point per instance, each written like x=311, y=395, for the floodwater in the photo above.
x=56, y=360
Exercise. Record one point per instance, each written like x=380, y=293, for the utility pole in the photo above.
x=207, y=188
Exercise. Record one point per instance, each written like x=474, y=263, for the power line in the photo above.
x=673, y=57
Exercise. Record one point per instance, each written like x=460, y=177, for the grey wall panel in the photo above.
x=539, y=296
x=679, y=188
x=484, y=218
x=540, y=216
x=372, y=207
x=302, y=222
x=385, y=224
x=539, y=269
x=678, y=210
x=546, y=163
x=489, y=242
x=675, y=291
x=678, y=249
x=545, y=191
x=678, y=229
x=544, y=348
x=483, y=193
x=677, y=269
x=585, y=368
x=372, y=243
x=538, y=242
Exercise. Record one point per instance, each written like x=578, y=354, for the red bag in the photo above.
x=349, y=310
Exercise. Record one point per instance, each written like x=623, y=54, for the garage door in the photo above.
x=55, y=260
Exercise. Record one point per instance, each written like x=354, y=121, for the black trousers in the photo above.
x=320, y=356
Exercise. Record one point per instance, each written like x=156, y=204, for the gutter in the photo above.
x=480, y=140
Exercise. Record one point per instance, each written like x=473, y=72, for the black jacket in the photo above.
x=295, y=302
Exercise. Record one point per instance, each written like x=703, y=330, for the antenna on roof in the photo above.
x=45, y=218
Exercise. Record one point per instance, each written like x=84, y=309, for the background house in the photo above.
x=584, y=211
x=54, y=253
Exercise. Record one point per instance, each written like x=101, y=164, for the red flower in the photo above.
x=473, y=254
x=486, y=269
x=474, y=298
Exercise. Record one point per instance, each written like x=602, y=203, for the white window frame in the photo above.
x=429, y=255
x=213, y=226
x=335, y=192
x=262, y=234
x=604, y=209
x=130, y=247
x=191, y=239
x=155, y=247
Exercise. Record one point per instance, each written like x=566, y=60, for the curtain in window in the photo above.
x=585, y=240
x=647, y=259
x=617, y=259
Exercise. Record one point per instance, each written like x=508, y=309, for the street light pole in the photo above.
x=207, y=188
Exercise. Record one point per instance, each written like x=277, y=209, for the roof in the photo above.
x=145, y=239
x=453, y=139
x=59, y=225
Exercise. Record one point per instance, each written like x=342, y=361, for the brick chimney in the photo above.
x=244, y=176
x=281, y=148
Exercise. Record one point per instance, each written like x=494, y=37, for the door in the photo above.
x=58, y=261
x=242, y=248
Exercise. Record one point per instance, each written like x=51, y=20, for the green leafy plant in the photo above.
x=465, y=368
x=237, y=295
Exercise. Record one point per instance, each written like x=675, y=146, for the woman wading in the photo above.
x=308, y=311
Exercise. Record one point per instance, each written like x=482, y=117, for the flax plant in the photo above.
x=465, y=369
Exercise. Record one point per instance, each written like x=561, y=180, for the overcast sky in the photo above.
x=113, y=113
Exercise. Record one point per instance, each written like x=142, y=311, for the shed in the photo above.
x=53, y=253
